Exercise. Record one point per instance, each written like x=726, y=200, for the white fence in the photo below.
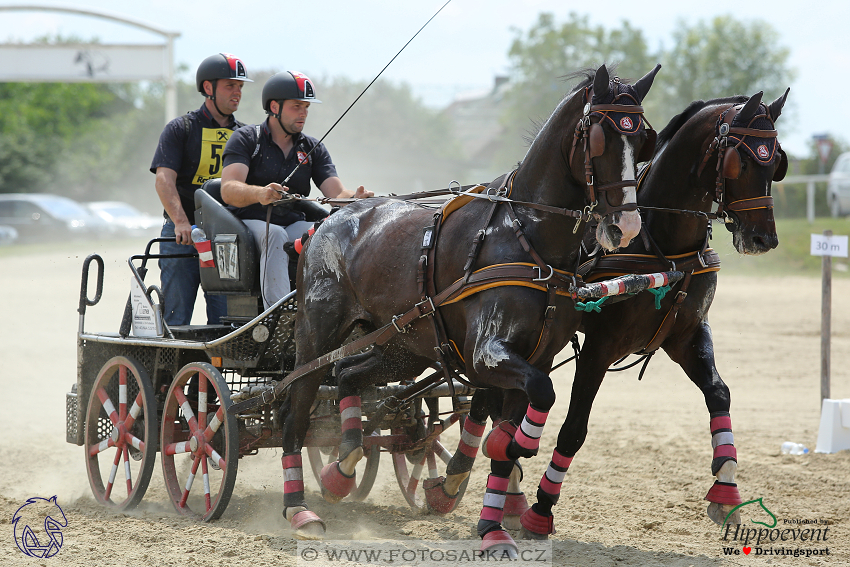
x=809, y=181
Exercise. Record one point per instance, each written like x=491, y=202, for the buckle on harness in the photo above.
x=421, y=303
x=540, y=277
x=270, y=398
x=401, y=330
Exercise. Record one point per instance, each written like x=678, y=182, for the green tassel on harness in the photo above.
x=589, y=306
x=659, y=294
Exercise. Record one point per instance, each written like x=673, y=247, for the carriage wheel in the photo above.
x=410, y=480
x=120, y=433
x=367, y=469
x=199, y=438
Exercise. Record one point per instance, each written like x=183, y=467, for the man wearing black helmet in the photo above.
x=188, y=154
x=257, y=160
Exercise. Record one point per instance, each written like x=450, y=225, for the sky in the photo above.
x=460, y=51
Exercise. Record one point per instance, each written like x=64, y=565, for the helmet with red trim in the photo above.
x=220, y=66
x=288, y=85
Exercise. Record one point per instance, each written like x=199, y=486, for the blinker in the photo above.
x=731, y=163
x=597, y=141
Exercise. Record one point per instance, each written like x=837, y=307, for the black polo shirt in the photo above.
x=267, y=164
x=197, y=157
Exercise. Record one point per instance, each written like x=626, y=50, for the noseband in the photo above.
x=727, y=141
x=592, y=137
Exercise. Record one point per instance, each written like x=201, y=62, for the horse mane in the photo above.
x=585, y=78
x=679, y=120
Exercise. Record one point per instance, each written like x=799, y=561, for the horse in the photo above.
x=723, y=151
x=375, y=258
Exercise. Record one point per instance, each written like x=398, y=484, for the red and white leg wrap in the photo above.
x=470, y=439
x=515, y=504
x=722, y=441
x=498, y=440
x=293, y=480
x=494, y=499
x=305, y=517
x=724, y=493
x=552, y=479
x=531, y=428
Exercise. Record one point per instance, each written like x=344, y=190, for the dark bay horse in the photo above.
x=722, y=151
x=377, y=258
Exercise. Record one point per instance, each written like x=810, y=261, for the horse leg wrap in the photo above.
x=722, y=440
x=335, y=484
x=461, y=463
x=527, y=439
x=515, y=503
x=724, y=493
x=494, y=504
x=549, y=489
x=352, y=425
x=293, y=480
x=538, y=523
x=499, y=538
x=498, y=440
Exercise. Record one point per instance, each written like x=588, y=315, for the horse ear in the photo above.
x=600, y=82
x=750, y=108
x=644, y=83
x=775, y=108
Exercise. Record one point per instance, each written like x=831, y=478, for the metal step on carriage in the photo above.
x=150, y=388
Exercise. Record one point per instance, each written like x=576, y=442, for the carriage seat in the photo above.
x=236, y=274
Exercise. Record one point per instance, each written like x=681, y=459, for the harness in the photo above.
x=535, y=275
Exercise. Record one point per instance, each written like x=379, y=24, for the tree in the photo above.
x=722, y=58
x=547, y=52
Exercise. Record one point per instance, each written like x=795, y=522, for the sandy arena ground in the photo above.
x=634, y=495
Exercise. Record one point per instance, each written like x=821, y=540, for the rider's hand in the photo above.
x=183, y=232
x=362, y=193
x=271, y=193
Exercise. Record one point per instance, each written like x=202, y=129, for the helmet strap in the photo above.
x=214, y=84
x=279, y=121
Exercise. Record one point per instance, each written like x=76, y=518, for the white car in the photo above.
x=126, y=220
x=8, y=234
x=838, y=188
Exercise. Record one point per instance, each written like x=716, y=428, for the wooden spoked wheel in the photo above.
x=199, y=442
x=121, y=433
x=367, y=468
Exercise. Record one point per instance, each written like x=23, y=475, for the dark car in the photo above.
x=41, y=216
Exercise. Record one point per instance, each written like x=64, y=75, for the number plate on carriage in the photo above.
x=227, y=256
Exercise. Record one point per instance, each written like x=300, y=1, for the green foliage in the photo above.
x=721, y=58
x=543, y=55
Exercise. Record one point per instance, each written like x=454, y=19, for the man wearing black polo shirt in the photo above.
x=189, y=153
x=257, y=159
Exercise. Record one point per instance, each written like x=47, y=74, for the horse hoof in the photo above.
x=515, y=506
x=435, y=495
x=719, y=512
x=499, y=544
x=528, y=534
x=497, y=440
x=335, y=484
x=307, y=525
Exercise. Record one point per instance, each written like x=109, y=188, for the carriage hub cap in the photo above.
x=193, y=444
x=115, y=435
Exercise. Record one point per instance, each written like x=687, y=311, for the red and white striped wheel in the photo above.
x=120, y=433
x=199, y=442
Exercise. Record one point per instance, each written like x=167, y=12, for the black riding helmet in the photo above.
x=287, y=85
x=220, y=66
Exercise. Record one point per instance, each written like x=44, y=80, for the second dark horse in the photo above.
x=514, y=253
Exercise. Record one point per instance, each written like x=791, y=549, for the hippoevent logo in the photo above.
x=37, y=527
x=789, y=537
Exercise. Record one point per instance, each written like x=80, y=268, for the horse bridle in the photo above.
x=592, y=137
x=728, y=139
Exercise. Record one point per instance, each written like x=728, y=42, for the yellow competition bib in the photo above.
x=212, y=146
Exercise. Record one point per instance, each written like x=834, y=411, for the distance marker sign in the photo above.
x=823, y=245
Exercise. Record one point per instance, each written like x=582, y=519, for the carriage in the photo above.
x=169, y=392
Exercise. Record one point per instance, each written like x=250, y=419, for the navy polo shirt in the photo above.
x=196, y=158
x=267, y=164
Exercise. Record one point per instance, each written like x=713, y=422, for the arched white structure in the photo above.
x=62, y=63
